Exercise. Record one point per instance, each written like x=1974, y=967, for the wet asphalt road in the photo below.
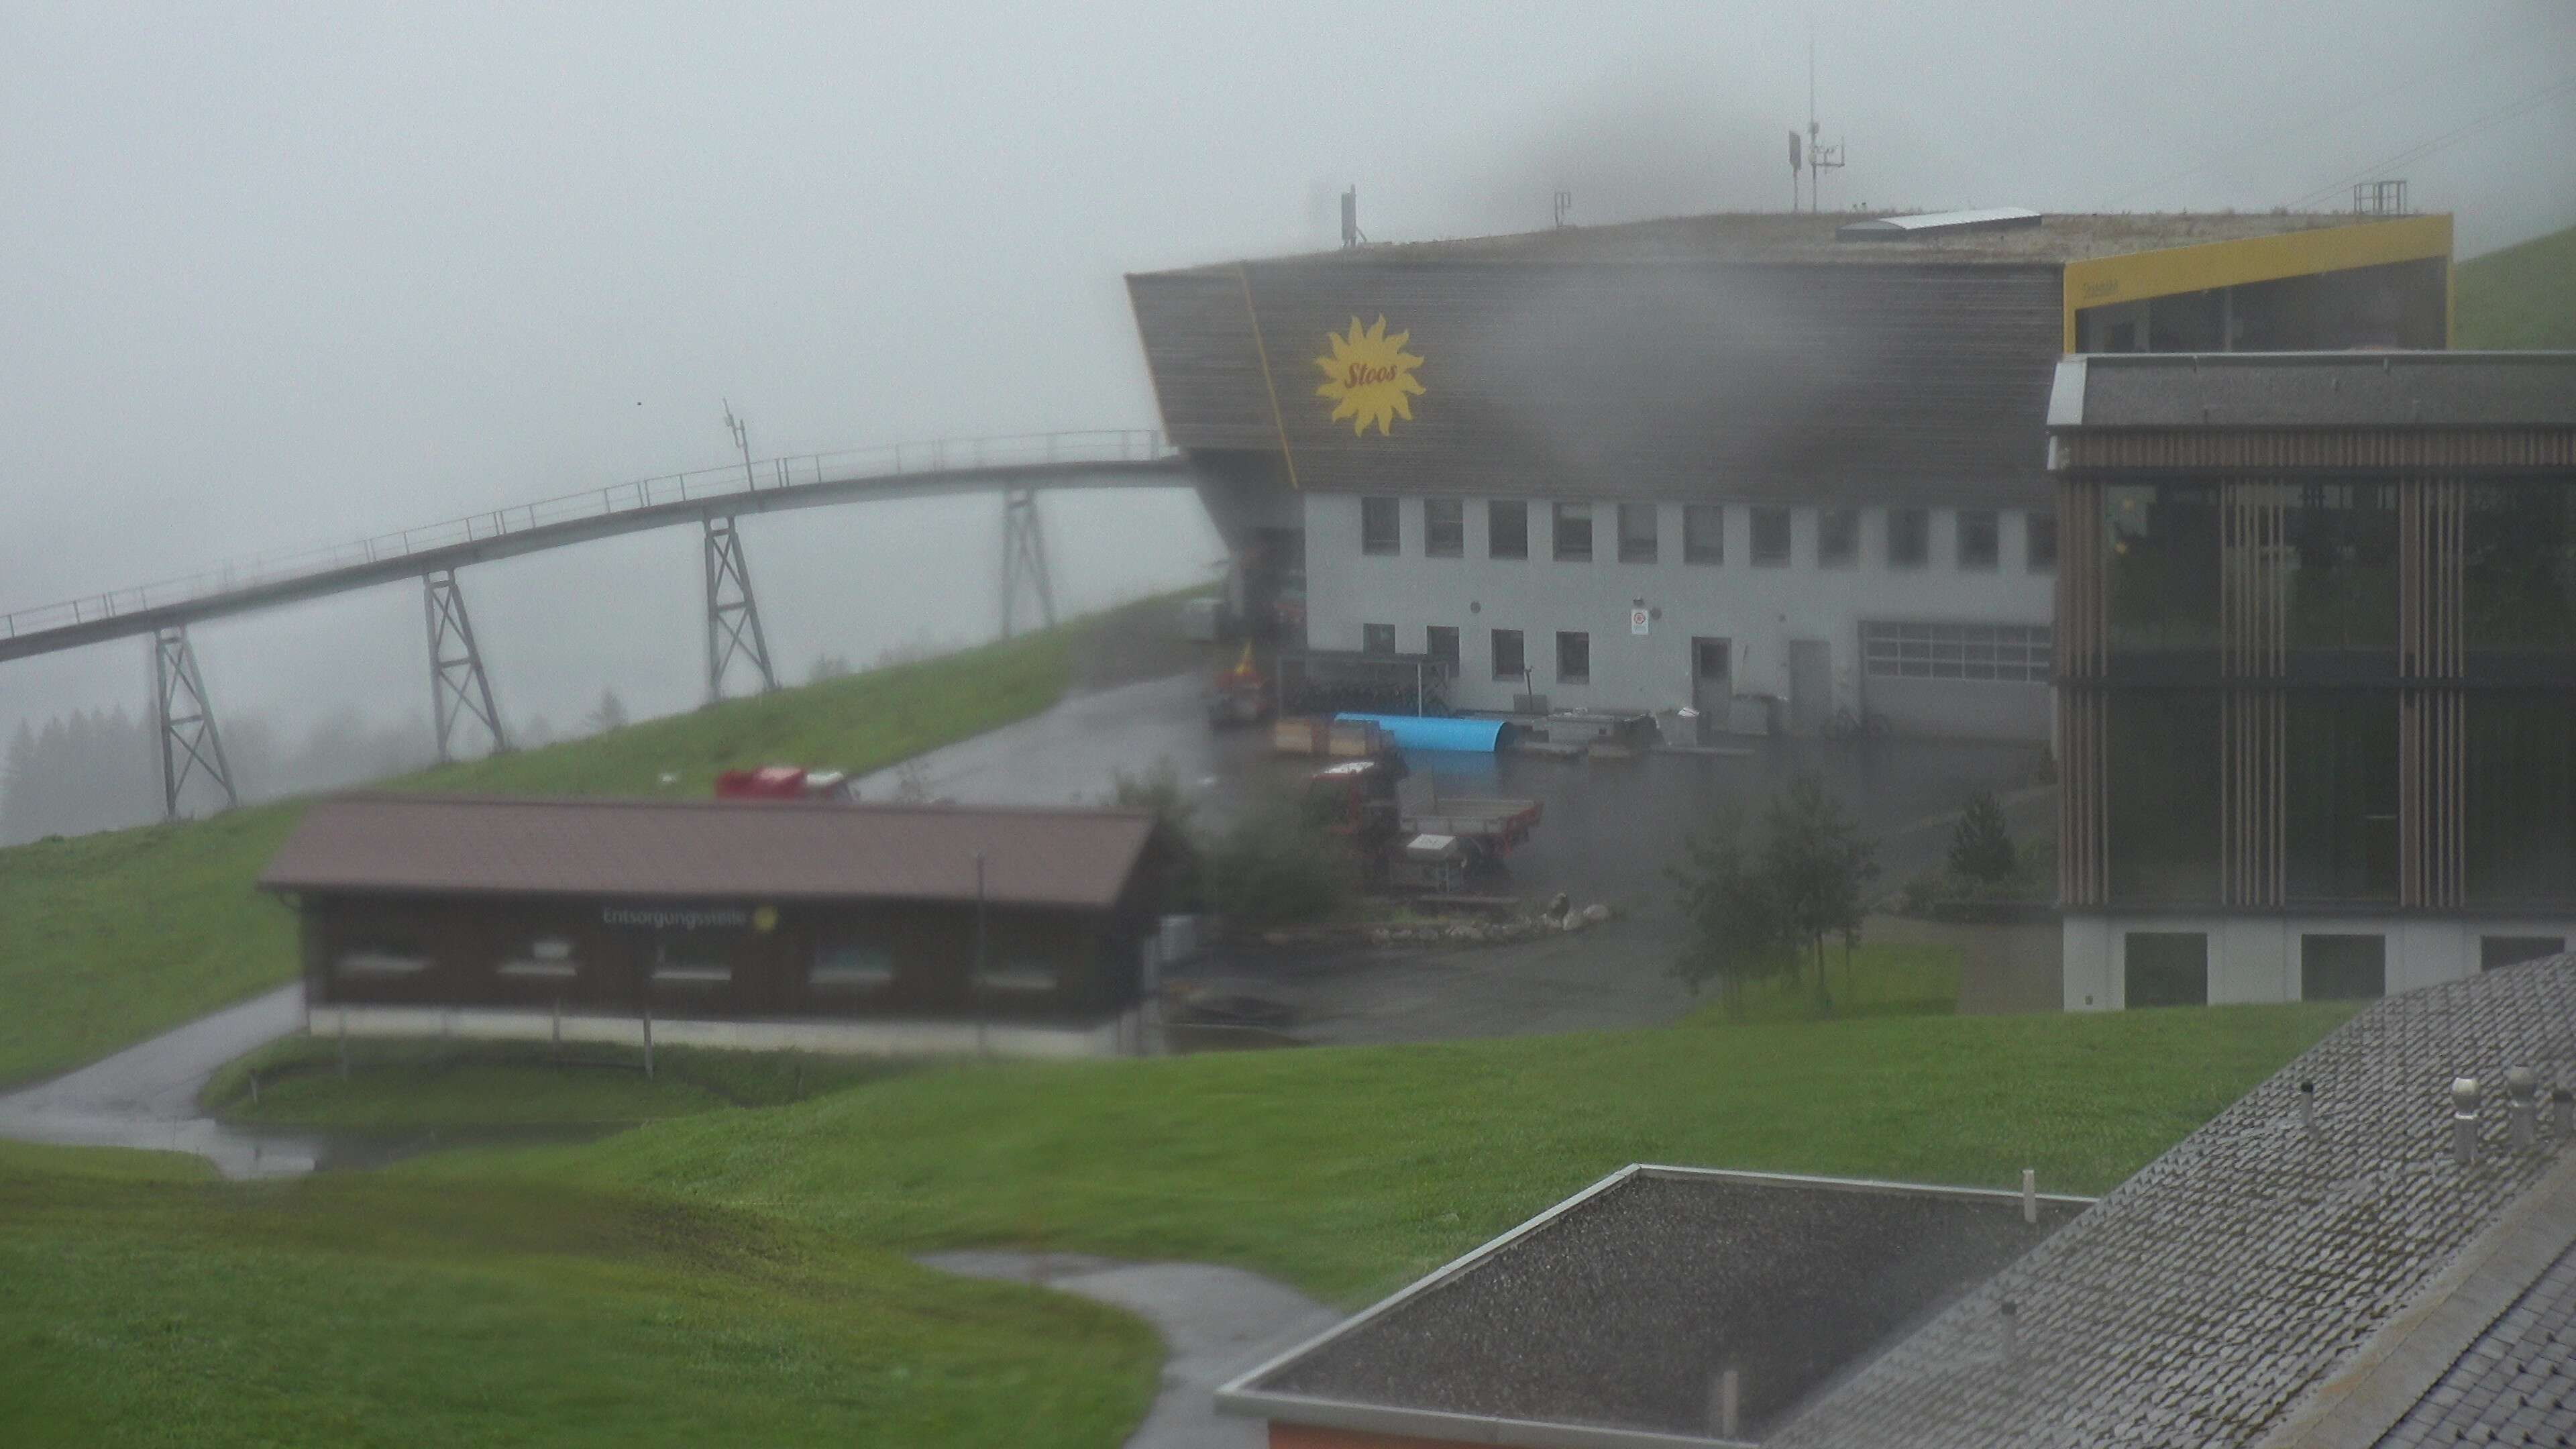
x=146, y=1095
x=1610, y=829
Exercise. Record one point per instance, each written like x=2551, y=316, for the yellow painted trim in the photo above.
x=1278, y=420
x=2108, y=281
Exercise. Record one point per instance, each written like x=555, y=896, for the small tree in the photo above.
x=1815, y=864
x=1276, y=864
x=827, y=666
x=1160, y=791
x=1981, y=847
x=1738, y=934
x=608, y=714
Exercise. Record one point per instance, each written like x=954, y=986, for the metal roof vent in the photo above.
x=2465, y=1098
x=1935, y=223
x=2522, y=1106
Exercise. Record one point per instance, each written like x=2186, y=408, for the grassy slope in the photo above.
x=148, y=1306
x=110, y=937
x=2523, y=296
x=1348, y=1170
x=431, y=1083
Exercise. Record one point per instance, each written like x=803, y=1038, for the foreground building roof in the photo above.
x=451, y=844
x=2287, y=1278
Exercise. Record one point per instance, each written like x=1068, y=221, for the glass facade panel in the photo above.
x=2342, y=968
x=1838, y=537
x=1440, y=641
x=1770, y=536
x=1573, y=657
x=1980, y=538
x=2339, y=830
x=2165, y=968
x=1909, y=537
x=1703, y=533
x=2518, y=575
x=1444, y=528
x=2520, y=811
x=2160, y=565
x=1507, y=529
x=1637, y=533
x=2342, y=540
x=1381, y=525
x=2495, y=951
x=1573, y=532
x=2163, y=796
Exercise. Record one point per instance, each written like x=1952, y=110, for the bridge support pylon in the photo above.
x=185, y=722
x=1024, y=560
x=458, y=687
x=733, y=614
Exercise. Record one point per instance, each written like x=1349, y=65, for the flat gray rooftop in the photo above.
x=1620, y=1309
x=2315, y=390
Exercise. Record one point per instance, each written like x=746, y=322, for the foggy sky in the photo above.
x=285, y=275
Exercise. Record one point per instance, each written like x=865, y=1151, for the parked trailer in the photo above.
x=1489, y=828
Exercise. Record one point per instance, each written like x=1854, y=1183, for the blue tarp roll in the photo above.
x=1428, y=732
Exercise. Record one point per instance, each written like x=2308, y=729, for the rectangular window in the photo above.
x=1573, y=532
x=1837, y=538
x=1637, y=542
x=2040, y=534
x=388, y=957
x=2165, y=968
x=2342, y=968
x=1573, y=657
x=2339, y=796
x=1020, y=977
x=2163, y=796
x=2495, y=951
x=547, y=958
x=2013, y=653
x=1507, y=529
x=1704, y=533
x=1444, y=528
x=1770, y=537
x=850, y=966
x=1440, y=641
x=1980, y=538
x=1381, y=525
x=1377, y=638
x=1508, y=663
x=1909, y=537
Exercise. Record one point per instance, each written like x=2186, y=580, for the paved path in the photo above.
x=1216, y=1322
x=146, y=1095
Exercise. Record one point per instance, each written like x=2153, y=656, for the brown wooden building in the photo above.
x=739, y=923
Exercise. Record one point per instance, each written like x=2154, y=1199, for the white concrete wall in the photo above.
x=857, y=1038
x=1759, y=608
x=2256, y=958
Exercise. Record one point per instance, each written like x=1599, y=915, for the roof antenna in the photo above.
x=1821, y=158
x=1351, y=235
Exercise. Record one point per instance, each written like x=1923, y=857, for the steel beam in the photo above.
x=185, y=722
x=1024, y=560
x=457, y=684
x=733, y=614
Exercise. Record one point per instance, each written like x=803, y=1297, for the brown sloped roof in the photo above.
x=449, y=844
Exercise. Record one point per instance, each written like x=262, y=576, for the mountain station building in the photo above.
x=1785, y=470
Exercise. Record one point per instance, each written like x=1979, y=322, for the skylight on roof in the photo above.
x=1935, y=223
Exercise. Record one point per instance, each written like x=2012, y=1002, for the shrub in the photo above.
x=1981, y=847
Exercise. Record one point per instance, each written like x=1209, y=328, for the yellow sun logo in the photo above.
x=1369, y=377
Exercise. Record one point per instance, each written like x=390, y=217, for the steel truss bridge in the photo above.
x=1017, y=467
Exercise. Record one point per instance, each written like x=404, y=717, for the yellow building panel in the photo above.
x=2106, y=281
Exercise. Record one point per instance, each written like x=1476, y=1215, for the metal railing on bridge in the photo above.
x=886, y=461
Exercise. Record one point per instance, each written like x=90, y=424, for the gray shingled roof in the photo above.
x=2516, y=1384
x=2316, y=390
x=2203, y=1300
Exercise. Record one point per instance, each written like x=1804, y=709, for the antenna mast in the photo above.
x=1820, y=157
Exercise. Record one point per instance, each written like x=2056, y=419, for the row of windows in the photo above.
x=1511, y=660
x=1507, y=527
x=2171, y=968
x=1957, y=651
x=837, y=967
